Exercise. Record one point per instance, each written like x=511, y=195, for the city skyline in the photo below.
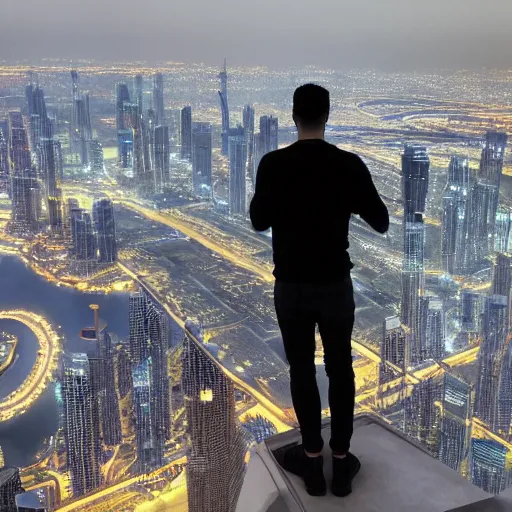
x=120, y=188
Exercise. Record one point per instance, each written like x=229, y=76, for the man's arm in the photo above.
x=368, y=204
x=261, y=204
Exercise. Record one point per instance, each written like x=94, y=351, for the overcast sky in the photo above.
x=393, y=34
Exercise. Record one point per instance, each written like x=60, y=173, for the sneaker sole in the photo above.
x=342, y=493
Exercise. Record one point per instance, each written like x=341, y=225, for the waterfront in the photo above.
x=66, y=309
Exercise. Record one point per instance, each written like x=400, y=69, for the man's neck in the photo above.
x=312, y=134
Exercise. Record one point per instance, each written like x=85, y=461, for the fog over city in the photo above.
x=391, y=34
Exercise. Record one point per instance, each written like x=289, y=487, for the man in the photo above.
x=306, y=193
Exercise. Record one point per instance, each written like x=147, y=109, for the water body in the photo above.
x=20, y=288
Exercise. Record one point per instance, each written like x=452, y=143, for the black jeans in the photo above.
x=299, y=308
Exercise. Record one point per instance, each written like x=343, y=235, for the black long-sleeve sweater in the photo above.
x=306, y=193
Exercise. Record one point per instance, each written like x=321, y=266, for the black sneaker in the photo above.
x=310, y=469
x=343, y=472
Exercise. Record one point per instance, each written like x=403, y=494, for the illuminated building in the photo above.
x=10, y=486
x=125, y=145
x=29, y=502
x=202, y=160
x=162, y=162
x=454, y=430
x=186, y=133
x=455, y=216
x=260, y=428
x=95, y=157
x=421, y=415
x=237, y=174
x=489, y=465
x=4, y=163
x=80, y=127
x=433, y=328
x=503, y=233
x=175, y=129
x=84, y=247
x=485, y=198
x=52, y=194
x=105, y=227
x=149, y=140
x=2, y=460
x=59, y=400
x=413, y=284
x=269, y=133
x=493, y=352
x=40, y=126
x=393, y=345
x=69, y=207
x=502, y=275
x=149, y=443
x=111, y=422
x=224, y=106
x=124, y=372
x=25, y=193
x=470, y=311
x=149, y=341
x=248, y=124
x=158, y=98
x=122, y=97
x=138, y=90
x=216, y=448
x=96, y=388
x=415, y=179
x=79, y=432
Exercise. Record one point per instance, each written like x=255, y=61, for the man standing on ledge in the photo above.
x=306, y=193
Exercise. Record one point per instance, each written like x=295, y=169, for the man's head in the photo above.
x=310, y=107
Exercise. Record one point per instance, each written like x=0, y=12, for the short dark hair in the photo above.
x=311, y=104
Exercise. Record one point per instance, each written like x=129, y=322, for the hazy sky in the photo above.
x=410, y=34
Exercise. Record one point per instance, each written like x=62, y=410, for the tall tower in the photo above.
x=10, y=485
x=149, y=341
x=216, y=448
x=237, y=171
x=455, y=216
x=202, y=160
x=83, y=235
x=122, y=98
x=162, y=155
x=493, y=352
x=79, y=430
x=415, y=178
x=248, y=124
x=186, y=133
x=433, y=328
x=158, y=98
x=456, y=413
x=224, y=106
x=413, y=284
x=269, y=133
x=138, y=89
x=393, y=347
x=105, y=227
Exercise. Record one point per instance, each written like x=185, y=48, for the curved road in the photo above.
x=41, y=374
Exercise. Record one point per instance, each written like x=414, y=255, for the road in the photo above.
x=41, y=374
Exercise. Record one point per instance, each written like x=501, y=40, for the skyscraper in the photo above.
x=493, y=351
x=10, y=485
x=470, y=311
x=455, y=216
x=4, y=163
x=489, y=465
x=248, y=124
x=158, y=98
x=202, y=160
x=224, y=106
x=269, y=133
x=79, y=431
x=393, y=346
x=29, y=502
x=237, y=171
x=503, y=234
x=433, y=329
x=413, y=284
x=80, y=127
x=105, y=227
x=454, y=430
x=84, y=248
x=162, y=155
x=138, y=89
x=186, y=133
x=122, y=97
x=149, y=338
x=125, y=148
x=95, y=158
x=216, y=448
x=415, y=179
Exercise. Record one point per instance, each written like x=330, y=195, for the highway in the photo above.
x=41, y=374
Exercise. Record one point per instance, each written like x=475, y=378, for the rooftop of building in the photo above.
x=397, y=475
x=6, y=474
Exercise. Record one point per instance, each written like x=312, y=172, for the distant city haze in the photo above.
x=385, y=34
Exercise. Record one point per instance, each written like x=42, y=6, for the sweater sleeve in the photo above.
x=261, y=204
